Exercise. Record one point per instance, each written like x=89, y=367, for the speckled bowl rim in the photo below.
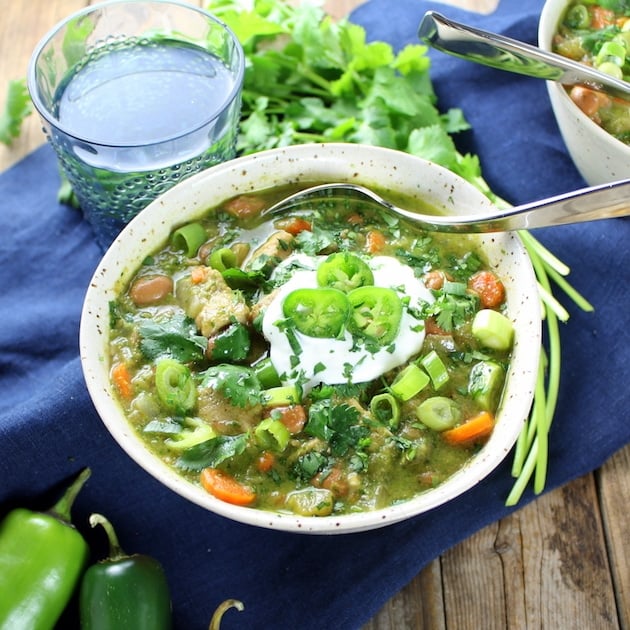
x=330, y=162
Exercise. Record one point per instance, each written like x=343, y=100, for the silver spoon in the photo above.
x=497, y=51
x=605, y=201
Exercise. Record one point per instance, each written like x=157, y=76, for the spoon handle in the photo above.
x=497, y=51
x=606, y=201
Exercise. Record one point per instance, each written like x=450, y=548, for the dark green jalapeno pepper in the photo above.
x=319, y=313
x=42, y=557
x=124, y=591
x=376, y=313
x=344, y=271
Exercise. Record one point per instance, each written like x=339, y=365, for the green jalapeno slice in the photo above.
x=376, y=313
x=319, y=313
x=344, y=271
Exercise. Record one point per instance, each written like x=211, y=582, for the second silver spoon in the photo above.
x=504, y=53
x=605, y=201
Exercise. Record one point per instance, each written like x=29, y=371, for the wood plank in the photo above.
x=613, y=484
x=19, y=38
x=420, y=605
x=567, y=573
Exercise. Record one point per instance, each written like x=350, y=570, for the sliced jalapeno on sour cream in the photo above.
x=318, y=312
x=376, y=313
x=344, y=271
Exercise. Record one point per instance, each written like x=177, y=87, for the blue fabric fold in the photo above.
x=49, y=428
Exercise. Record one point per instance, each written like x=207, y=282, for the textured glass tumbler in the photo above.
x=134, y=97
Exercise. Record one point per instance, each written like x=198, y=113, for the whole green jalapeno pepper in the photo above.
x=319, y=313
x=42, y=557
x=124, y=591
x=344, y=271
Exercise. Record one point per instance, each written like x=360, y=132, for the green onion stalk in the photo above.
x=531, y=450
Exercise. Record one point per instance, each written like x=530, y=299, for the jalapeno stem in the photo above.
x=61, y=510
x=222, y=608
x=115, y=550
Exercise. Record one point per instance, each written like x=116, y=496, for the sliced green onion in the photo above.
x=454, y=288
x=438, y=413
x=281, y=396
x=271, y=434
x=435, y=369
x=175, y=386
x=577, y=17
x=385, y=409
x=493, y=329
x=266, y=373
x=409, y=382
x=189, y=238
x=612, y=69
x=485, y=384
x=222, y=259
x=611, y=52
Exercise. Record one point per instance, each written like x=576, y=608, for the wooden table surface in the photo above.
x=560, y=563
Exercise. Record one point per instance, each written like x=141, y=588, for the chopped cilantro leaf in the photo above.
x=338, y=424
x=175, y=337
x=239, y=384
x=212, y=452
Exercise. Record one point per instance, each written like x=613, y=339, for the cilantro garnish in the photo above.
x=239, y=384
x=339, y=425
x=313, y=79
x=212, y=452
x=175, y=337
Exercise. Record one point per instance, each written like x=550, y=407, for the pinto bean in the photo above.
x=589, y=101
x=148, y=290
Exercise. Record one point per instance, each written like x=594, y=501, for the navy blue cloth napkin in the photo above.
x=49, y=429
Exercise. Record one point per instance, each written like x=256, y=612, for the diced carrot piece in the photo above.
x=198, y=274
x=601, y=18
x=122, y=380
x=355, y=219
x=374, y=241
x=294, y=225
x=224, y=487
x=475, y=429
x=333, y=480
x=293, y=417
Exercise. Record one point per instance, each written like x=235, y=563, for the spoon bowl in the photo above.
x=587, y=204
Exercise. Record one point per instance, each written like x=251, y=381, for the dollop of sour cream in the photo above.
x=336, y=361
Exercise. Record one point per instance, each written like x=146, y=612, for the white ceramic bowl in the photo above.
x=331, y=162
x=599, y=157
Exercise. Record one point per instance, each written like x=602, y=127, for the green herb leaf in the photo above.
x=16, y=108
x=212, y=452
x=232, y=344
x=339, y=425
x=239, y=384
x=176, y=338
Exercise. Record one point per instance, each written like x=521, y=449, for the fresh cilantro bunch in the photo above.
x=310, y=78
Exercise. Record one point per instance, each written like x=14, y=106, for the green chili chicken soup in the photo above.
x=329, y=361
x=598, y=34
x=330, y=369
